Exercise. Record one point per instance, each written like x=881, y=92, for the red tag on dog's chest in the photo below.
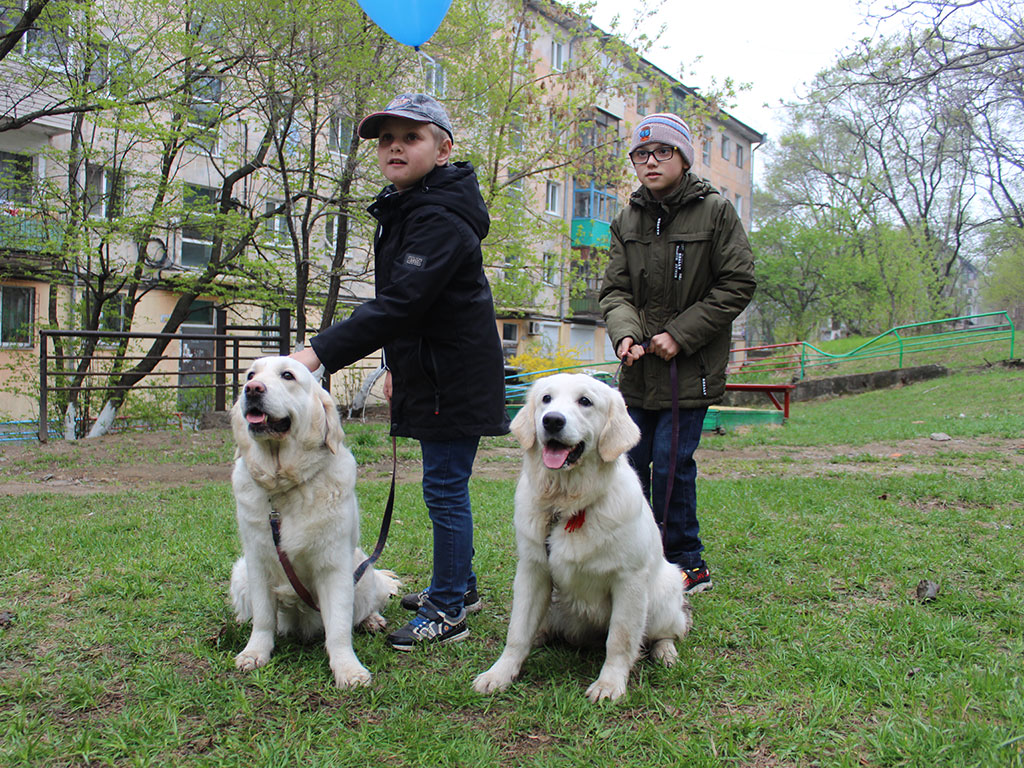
x=575, y=522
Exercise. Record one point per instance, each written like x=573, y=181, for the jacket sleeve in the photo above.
x=732, y=285
x=433, y=248
x=618, y=304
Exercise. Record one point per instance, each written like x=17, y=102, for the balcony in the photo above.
x=587, y=304
x=25, y=232
x=591, y=233
x=593, y=209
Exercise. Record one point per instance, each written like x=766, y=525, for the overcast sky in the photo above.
x=776, y=47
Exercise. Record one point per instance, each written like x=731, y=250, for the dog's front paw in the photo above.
x=492, y=681
x=247, y=660
x=664, y=651
x=374, y=623
x=606, y=689
x=352, y=676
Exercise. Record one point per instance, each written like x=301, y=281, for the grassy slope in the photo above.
x=810, y=650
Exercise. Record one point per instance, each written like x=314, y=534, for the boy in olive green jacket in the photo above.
x=680, y=271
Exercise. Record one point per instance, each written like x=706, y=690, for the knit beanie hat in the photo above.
x=666, y=128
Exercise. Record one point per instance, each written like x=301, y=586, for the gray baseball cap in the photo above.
x=412, y=106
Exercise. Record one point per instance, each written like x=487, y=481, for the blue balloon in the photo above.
x=410, y=22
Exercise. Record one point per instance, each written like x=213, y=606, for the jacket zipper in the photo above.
x=433, y=379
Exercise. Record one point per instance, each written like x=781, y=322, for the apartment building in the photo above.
x=64, y=175
x=567, y=313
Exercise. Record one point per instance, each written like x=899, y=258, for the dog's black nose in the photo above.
x=553, y=422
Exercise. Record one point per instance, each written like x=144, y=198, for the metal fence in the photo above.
x=208, y=365
x=897, y=344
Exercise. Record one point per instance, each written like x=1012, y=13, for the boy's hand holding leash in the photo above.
x=661, y=344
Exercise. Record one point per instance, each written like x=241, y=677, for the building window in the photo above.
x=725, y=192
x=17, y=309
x=113, y=318
x=726, y=147
x=602, y=132
x=739, y=205
x=331, y=222
x=641, y=100
x=435, y=81
x=270, y=324
x=522, y=42
x=275, y=225
x=204, y=112
x=557, y=56
x=47, y=40
x=553, y=198
x=739, y=156
x=509, y=332
x=15, y=178
x=594, y=203
x=104, y=192
x=197, y=227
x=515, y=184
x=705, y=149
x=339, y=133
x=549, y=267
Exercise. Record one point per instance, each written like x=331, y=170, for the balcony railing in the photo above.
x=585, y=305
x=26, y=232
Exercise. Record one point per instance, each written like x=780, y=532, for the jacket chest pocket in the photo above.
x=638, y=262
x=688, y=267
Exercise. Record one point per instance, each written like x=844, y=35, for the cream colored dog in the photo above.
x=291, y=459
x=590, y=558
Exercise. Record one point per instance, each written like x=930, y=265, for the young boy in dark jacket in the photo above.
x=434, y=316
x=679, y=272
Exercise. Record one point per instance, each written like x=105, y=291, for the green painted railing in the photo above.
x=899, y=343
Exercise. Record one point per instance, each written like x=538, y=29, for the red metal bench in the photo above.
x=769, y=389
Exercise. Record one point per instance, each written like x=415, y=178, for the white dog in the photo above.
x=291, y=460
x=590, y=557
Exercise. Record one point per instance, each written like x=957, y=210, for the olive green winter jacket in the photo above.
x=681, y=265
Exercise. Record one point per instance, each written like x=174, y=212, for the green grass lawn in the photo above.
x=811, y=650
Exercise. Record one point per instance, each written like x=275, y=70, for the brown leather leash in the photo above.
x=385, y=526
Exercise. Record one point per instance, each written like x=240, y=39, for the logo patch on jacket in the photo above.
x=413, y=260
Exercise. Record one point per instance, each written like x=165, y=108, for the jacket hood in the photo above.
x=454, y=187
x=689, y=189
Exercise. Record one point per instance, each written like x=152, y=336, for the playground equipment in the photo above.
x=795, y=358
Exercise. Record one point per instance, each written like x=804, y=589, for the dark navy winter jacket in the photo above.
x=433, y=312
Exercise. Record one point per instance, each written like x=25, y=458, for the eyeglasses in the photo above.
x=661, y=154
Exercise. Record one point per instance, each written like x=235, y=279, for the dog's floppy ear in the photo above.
x=522, y=425
x=620, y=433
x=328, y=417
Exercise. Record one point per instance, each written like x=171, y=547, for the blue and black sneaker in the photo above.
x=430, y=625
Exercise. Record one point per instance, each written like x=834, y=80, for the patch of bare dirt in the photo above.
x=144, y=460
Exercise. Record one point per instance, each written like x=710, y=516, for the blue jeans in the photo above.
x=650, y=459
x=447, y=466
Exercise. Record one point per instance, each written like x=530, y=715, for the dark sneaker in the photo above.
x=415, y=600
x=429, y=626
x=696, y=579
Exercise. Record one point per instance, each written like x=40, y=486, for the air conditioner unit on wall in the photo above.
x=533, y=328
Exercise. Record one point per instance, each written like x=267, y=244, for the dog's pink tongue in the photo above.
x=255, y=418
x=554, y=457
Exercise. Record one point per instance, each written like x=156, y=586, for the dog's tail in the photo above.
x=240, y=591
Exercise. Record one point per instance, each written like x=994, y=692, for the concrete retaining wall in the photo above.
x=850, y=384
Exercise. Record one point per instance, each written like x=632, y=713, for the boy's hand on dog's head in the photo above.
x=307, y=357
